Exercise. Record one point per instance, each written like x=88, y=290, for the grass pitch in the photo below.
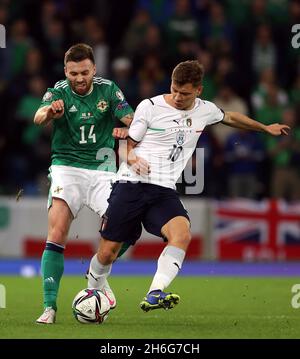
x=210, y=307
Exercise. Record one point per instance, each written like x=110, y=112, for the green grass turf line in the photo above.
x=210, y=307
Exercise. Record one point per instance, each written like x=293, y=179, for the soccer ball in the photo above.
x=90, y=306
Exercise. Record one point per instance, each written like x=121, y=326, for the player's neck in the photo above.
x=169, y=100
x=86, y=94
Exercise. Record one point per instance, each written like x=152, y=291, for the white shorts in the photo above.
x=80, y=187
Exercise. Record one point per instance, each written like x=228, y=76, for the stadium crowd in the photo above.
x=250, y=67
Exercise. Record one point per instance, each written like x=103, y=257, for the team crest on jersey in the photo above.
x=48, y=96
x=102, y=105
x=180, y=138
x=189, y=122
x=120, y=95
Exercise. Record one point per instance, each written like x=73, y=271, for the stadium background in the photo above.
x=243, y=263
x=249, y=207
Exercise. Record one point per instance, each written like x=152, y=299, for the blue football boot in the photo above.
x=157, y=299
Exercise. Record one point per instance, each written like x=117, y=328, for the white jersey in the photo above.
x=167, y=138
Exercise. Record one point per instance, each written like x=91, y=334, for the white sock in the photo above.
x=168, y=265
x=97, y=273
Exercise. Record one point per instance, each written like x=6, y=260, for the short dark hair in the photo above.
x=188, y=72
x=79, y=52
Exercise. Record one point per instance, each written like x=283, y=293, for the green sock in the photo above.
x=52, y=271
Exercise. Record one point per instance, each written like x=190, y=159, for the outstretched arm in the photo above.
x=238, y=120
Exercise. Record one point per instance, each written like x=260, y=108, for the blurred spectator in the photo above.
x=33, y=67
x=251, y=53
x=146, y=89
x=264, y=51
x=48, y=13
x=295, y=91
x=217, y=31
x=30, y=103
x=136, y=32
x=152, y=45
x=152, y=71
x=291, y=55
x=94, y=35
x=3, y=14
x=55, y=42
x=152, y=41
x=227, y=73
x=267, y=80
x=271, y=110
x=181, y=24
x=213, y=164
x=285, y=155
x=187, y=49
x=238, y=14
x=227, y=100
x=209, y=86
x=123, y=77
x=244, y=153
x=18, y=45
x=159, y=10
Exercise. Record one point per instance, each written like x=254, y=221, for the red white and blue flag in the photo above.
x=256, y=230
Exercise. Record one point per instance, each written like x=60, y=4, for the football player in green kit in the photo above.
x=83, y=109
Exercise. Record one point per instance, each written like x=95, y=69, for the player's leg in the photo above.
x=117, y=226
x=52, y=264
x=168, y=265
x=97, y=200
x=65, y=200
x=100, y=268
x=169, y=219
x=177, y=232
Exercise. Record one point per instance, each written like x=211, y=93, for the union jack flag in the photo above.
x=251, y=230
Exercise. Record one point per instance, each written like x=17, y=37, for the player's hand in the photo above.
x=141, y=167
x=57, y=109
x=120, y=132
x=276, y=129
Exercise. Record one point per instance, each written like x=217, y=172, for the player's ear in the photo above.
x=65, y=68
x=94, y=70
x=199, y=90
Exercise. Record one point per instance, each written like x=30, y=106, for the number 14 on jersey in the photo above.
x=91, y=136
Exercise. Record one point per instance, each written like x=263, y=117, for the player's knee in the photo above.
x=57, y=235
x=181, y=240
x=106, y=256
x=186, y=237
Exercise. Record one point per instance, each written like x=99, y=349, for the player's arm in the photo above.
x=49, y=112
x=122, y=132
x=238, y=120
x=137, y=131
x=127, y=119
x=137, y=164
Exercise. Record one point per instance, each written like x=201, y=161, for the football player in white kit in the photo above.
x=162, y=138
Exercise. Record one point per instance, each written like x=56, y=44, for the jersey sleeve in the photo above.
x=141, y=121
x=50, y=95
x=216, y=114
x=119, y=105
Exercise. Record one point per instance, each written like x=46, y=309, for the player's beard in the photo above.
x=82, y=88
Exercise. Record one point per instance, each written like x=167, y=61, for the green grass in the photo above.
x=210, y=307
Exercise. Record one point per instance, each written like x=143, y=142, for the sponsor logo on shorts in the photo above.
x=58, y=190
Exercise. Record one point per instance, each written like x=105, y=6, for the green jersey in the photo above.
x=82, y=137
